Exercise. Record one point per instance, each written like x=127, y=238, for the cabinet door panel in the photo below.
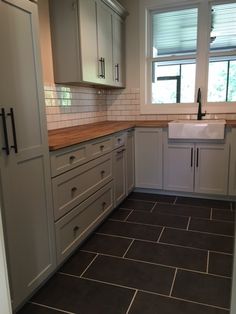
x=178, y=167
x=148, y=158
x=211, y=174
x=130, y=162
x=119, y=166
x=118, y=50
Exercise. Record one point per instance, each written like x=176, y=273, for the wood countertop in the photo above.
x=61, y=138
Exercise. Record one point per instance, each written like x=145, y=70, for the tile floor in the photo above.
x=154, y=254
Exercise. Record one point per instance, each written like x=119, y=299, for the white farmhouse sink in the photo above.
x=197, y=129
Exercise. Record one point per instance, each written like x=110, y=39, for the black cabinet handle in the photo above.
x=6, y=147
x=72, y=158
x=11, y=114
x=117, y=72
x=104, y=68
x=197, y=157
x=101, y=68
x=191, y=157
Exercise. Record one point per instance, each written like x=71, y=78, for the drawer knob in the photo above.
x=72, y=158
x=75, y=229
x=104, y=204
x=101, y=147
x=102, y=173
x=119, y=139
x=73, y=190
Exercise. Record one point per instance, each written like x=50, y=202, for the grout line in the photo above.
x=132, y=301
x=147, y=201
x=128, y=248
x=207, y=266
x=123, y=237
x=50, y=307
x=157, y=264
x=175, y=200
x=188, y=223
x=153, y=207
x=211, y=214
x=128, y=215
x=159, y=238
x=173, y=282
x=89, y=265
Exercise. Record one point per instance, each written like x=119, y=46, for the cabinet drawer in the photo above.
x=67, y=159
x=76, y=225
x=73, y=187
x=100, y=147
x=119, y=139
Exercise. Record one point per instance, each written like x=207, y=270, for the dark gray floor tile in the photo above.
x=220, y=214
x=220, y=264
x=159, y=219
x=168, y=255
x=83, y=296
x=120, y=214
x=152, y=197
x=133, y=274
x=202, y=288
x=37, y=309
x=137, y=205
x=146, y=303
x=77, y=263
x=203, y=202
x=182, y=210
x=198, y=240
x=107, y=245
x=131, y=230
x=212, y=226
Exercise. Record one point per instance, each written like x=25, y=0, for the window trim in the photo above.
x=202, y=57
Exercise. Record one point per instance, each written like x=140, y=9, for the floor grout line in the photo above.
x=128, y=215
x=208, y=259
x=128, y=248
x=132, y=301
x=173, y=282
x=52, y=308
x=123, y=237
x=147, y=201
x=159, y=238
x=157, y=264
x=188, y=223
x=153, y=207
x=211, y=214
x=89, y=265
x=175, y=200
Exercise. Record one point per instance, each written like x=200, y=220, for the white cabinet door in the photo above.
x=178, y=167
x=148, y=158
x=25, y=183
x=130, y=161
x=119, y=172
x=211, y=168
x=104, y=42
x=118, y=50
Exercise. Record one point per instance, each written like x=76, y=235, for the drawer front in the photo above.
x=73, y=187
x=76, y=225
x=67, y=159
x=119, y=139
x=100, y=147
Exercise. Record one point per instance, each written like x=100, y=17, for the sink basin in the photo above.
x=197, y=129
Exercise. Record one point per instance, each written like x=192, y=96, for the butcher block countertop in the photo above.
x=65, y=137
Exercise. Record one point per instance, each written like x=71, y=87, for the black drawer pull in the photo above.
x=101, y=147
x=73, y=190
x=75, y=229
x=4, y=123
x=104, y=204
x=72, y=158
x=103, y=172
x=11, y=114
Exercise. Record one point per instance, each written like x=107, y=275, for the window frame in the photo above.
x=202, y=57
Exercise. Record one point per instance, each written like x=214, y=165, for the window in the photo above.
x=184, y=48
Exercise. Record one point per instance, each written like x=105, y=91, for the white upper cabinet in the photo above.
x=87, y=41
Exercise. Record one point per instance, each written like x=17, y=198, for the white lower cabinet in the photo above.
x=78, y=223
x=119, y=170
x=148, y=158
x=130, y=161
x=196, y=167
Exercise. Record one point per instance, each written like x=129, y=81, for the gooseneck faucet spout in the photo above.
x=199, y=100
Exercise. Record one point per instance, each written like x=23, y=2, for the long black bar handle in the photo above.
x=191, y=157
x=11, y=114
x=104, y=68
x=101, y=68
x=197, y=157
x=3, y=115
x=117, y=78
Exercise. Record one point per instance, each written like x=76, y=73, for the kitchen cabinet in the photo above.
x=87, y=41
x=130, y=161
x=232, y=166
x=119, y=166
x=148, y=158
x=196, y=167
x=26, y=200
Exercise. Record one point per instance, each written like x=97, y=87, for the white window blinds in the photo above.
x=174, y=32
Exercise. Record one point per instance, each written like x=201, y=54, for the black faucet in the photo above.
x=199, y=100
